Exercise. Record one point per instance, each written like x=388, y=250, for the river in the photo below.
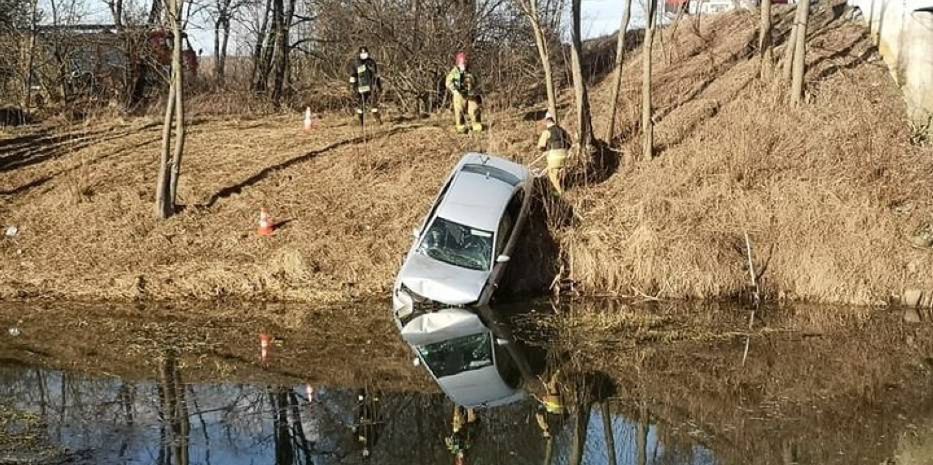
x=662, y=383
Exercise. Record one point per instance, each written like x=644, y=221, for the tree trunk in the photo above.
x=221, y=71
x=787, y=59
x=800, y=52
x=30, y=55
x=155, y=12
x=278, y=57
x=167, y=180
x=617, y=73
x=584, y=121
x=116, y=9
x=647, y=126
x=163, y=208
x=280, y=65
x=582, y=423
x=217, y=26
x=262, y=55
x=221, y=29
x=530, y=8
x=260, y=40
x=607, y=431
x=184, y=425
x=177, y=68
x=764, y=41
x=641, y=437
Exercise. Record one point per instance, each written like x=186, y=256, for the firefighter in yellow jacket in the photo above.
x=555, y=141
x=464, y=87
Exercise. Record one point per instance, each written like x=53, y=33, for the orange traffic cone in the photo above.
x=266, y=228
x=309, y=122
x=264, y=341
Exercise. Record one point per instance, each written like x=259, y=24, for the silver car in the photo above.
x=474, y=364
x=460, y=252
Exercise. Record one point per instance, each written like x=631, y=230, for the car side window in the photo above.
x=505, y=230
x=508, y=369
x=508, y=221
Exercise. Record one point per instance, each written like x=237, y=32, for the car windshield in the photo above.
x=458, y=245
x=457, y=355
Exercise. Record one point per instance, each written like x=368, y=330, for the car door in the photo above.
x=505, y=240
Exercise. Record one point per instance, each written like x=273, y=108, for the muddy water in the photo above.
x=176, y=385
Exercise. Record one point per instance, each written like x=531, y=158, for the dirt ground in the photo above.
x=829, y=194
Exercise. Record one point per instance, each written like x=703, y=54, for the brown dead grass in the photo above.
x=828, y=193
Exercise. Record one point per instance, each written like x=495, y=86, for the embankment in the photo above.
x=829, y=193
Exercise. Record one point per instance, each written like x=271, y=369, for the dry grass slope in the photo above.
x=829, y=193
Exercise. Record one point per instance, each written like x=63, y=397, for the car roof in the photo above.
x=480, y=190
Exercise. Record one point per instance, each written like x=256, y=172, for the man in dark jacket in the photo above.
x=365, y=81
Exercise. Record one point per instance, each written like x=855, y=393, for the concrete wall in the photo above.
x=903, y=31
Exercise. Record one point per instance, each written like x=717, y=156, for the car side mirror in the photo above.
x=502, y=342
x=416, y=361
x=414, y=233
x=503, y=258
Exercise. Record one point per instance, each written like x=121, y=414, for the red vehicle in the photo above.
x=160, y=42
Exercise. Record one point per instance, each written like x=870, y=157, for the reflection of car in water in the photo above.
x=472, y=363
x=461, y=251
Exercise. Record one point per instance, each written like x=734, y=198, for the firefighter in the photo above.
x=365, y=81
x=555, y=142
x=463, y=424
x=464, y=88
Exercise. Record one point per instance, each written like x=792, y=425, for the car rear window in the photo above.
x=492, y=172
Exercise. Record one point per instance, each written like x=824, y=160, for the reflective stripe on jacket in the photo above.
x=364, y=75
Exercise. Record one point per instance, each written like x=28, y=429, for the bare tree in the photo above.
x=170, y=170
x=271, y=55
x=284, y=12
x=647, y=126
x=30, y=53
x=608, y=433
x=584, y=121
x=223, y=10
x=578, y=448
x=116, y=11
x=617, y=73
x=641, y=437
x=765, y=50
x=155, y=12
x=803, y=15
x=531, y=11
x=787, y=58
x=173, y=408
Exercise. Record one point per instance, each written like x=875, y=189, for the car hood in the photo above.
x=441, y=282
x=441, y=325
